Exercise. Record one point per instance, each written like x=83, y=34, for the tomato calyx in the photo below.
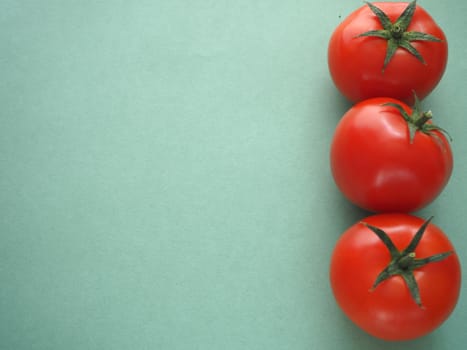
x=396, y=33
x=404, y=263
x=419, y=120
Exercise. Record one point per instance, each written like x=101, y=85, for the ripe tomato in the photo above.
x=384, y=163
x=387, y=49
x=399, y=284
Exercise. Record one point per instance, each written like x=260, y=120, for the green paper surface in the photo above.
x=165, y=181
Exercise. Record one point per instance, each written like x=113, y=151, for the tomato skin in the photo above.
x=388, y=311
x=356, y=64
x=377, y=168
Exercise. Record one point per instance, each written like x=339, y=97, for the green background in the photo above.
x=164, y=176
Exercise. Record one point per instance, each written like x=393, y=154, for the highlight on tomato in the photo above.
x=395, y=276
x=388, y=157
x=387, y=49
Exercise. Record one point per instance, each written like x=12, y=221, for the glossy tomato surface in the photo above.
x=378, y=168
x=388, y=311
x=356, y=63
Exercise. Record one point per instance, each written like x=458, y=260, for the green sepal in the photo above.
x=404, y=263
x=396, y=33
x=418, y=120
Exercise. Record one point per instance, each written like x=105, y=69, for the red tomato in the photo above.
x=357, y=63
x=378, y=167
x=388, y=310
